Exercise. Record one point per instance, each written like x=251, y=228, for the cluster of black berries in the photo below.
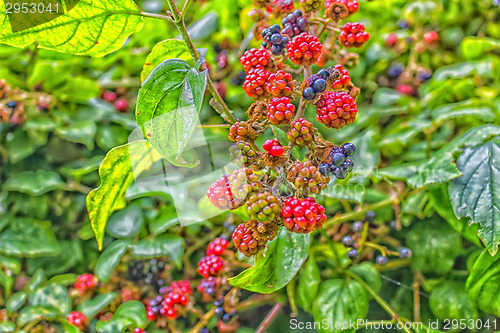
x=339, y=163
x=274, y=41
x=208, y=286
x=149, y=272
x=395, y=70
x=221, y=314
x=294, y=24
x=315, y=84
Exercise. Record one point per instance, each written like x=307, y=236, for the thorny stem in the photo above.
x=269, y=318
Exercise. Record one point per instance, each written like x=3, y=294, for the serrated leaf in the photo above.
x=109, y=258
x=92, y=306
x=167, y=49
x=168, y=105
x=340, y=301
x=449, y=301
x=477, y=193
x=277, y=266
x=170, y=246
x=309, y=283
x=117, y=171
x=28, y=238
x=34, y=182
x=483, y=283
x=90, y=27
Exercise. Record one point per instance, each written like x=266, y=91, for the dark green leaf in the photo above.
x=113, y=326
x=126, y=222
x=168, y=105
x=483, y=283
x=165, y=219
x=133, y=311
x=52, y=295
x=340, y=301
x=7, y=327
x=80, y=132
x=92, y=307
x=6, y=281
x=34, y=182
x=477, y=193
x=19, y=146
x=16, y=301
x=118, y=170
x=109, y=258
x=36, y=312
x=170, y=246
x=36, y=281
x=204, y=27
x=368, y=272
x=449, y=301
x=309, y=282
x=280, y=263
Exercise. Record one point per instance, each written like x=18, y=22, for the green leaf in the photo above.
x=166, y=218
x=12, y=264
x=484, y=67
x=477, y=193
x=475, y=47
x=340, y=301
x=109, y=258
x=168, y=105
x=92, y=307
x=113, y=326
x=126, y=222
x=204, y=27
x=28, y=238
x=171, y=246
x=435, y=246
x=34, y=182
x=36, y=281
x=92, y=28
x=283, y=139
x=476, y=108
x=68, y=328
x=19, y=145
x=368, y=272
x=367, y=155
x=7, y=327
x=80, y=132
x=449, y=301
x=71, y=254
x=36, y=312
x=117, y=171
x=16, y=301
x=483, y=283
x=167, y=49
x=52, y=295
x=280, y=263
x=440, y=167
x=309, y=283
x=134, y=311
x=6, y=281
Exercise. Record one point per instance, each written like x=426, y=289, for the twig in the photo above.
x=269, y=318
x=203, y=321
x=360, y=213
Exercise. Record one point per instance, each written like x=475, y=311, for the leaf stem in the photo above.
x=332, y=247
x=360, y=213
x=156, y=16
x=269, y=318
x=203, y=321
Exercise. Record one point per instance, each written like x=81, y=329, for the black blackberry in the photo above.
x=314, y=85
x=274, y=41
x=11, y=104
x=294, y=24
x=339, y=160
x=147, y=272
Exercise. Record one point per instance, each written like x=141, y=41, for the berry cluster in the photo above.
x=229, y=191
x=280, y=84
x=78, y=319
x=307, y=179
x=338, y=161
x=280, y=111
x=120, y=103
x=336, y=109
x=171, y=302
x=294, y=24
x=210, y=266
x=147, y=272
x=252, y=236
x=85, y=282
x=353, y=35
x=242, y=131
x=340, y=77
x=273, y=147
x=274, y=40
x=301, y=132
x=242, y=151
x=315, y=85
x=304, y=49
x=263, y=206
x=254, y=84
x=303, y=215
x=310, y=5
x=256, y=59
x=223, y=316
x=340, y=9
x=217, y=246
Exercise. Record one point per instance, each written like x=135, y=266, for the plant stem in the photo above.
x=185, y=8
x=203, y=321
x=156, y=16
x=290, y=290
x=332, y=247
x=379, y=300
x=303, y=103
x=256, y=301
x=269, y=318
x=360, y=213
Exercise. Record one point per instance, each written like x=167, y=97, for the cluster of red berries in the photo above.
x=303, y=215
x=336, y=109
x=301, y=132
x=85, y=282
x=307, y=179
x=171, y=302
x=280, y=111
x=340, y=9
x=353, y=35
x=273, y=147
x=217, y=246
x=242, y=131
x=252, y=236
x=341, y=78
x=229, y=191
x=280, y=84
x=78, y=319
x=120, y=103
x=304, y=49
x=212, y=263
x=254, y=84
x=256, y=59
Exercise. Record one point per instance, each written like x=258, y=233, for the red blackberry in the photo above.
x=307, y=179
x=121, y=105
x=301, y=132
x=242, y=131
x=303, y=215
x=210, y=266
x=431, y=37
x=304, y=49
x=109, y=96
x=280, y=84
x=242, y=153
x=294, y=24
x=230, y=191
x=273, y=147
x=217, y=246
x=280, y=111
x=255, y=82
x=257, y=58
x=274, y=40
x=139, y=330
x=78, y=319
x=353, y=35
x=336, y=109
x=310, y=5
x=340, y=9
x=251, y=237
x=261, y=3
x=263, y=206
x=181, y=287
x=391, y=40
x=85, y=282
x=340, y=77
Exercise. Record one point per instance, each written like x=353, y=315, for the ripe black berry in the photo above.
x=219, y=303
x=11, y=104
x=340, y=173
x=294, y=24
x=358, y=226
x=204, y=330
x=338, y=159
x=324, y=74
x=309, y=94
x=370, y=216
x=395, y=71
x=347, y=241
x=353, y=254
x=382, y=260
x=319, y=85
x=324, y=168
x=405, y=253
x=226, y=317
x=219, y=312
x=348, y=165
x=349, y=149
